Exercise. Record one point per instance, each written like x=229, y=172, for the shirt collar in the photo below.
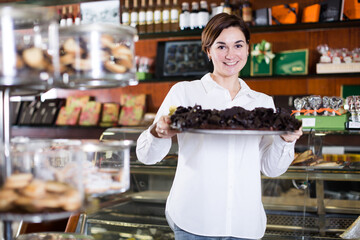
x=210, y=84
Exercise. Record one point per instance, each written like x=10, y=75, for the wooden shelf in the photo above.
x=258, y=29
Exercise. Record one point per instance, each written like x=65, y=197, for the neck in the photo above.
x=230, y=83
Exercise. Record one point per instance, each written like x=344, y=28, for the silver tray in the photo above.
x=234, y=131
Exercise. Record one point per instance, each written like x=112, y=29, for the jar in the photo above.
x=44, y=182
x=97, y=55
x=107, y=167
x=28, y=46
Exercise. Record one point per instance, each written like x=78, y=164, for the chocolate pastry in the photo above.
x=234, y=118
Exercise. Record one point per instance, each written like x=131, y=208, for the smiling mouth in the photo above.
x=230, y=63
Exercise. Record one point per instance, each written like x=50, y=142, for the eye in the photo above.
x=238, y=46
x=221, y=47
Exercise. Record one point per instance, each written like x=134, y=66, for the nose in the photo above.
x=229, y=53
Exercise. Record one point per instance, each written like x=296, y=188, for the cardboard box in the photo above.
x=311, y=13
x=323, y=122
x=284, y=13
x=110, y=114
x=90, y=114
x=294, y=62
x=68, y=116
x=132, y=110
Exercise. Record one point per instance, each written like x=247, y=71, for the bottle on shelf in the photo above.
x=247, y=12
x=158, y=16
x=70, y=17
x=194, y=22
x=235, y=7
x=134, y=15
x=213, y=7
x=125, y=15
x=227, y=7
x=150, y=17
x=166, y=17
x=203, y=15
x=63, y=17
x=184, y=16
x=142, y=17
x=78, y=16
x=240, y=8
x=59, y=14
x=175, y=16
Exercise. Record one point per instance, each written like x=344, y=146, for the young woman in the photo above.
x=216, y=193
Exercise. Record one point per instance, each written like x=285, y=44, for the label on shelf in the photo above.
x=308, y=122
x=353, y=125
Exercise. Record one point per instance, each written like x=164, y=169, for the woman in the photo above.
x=216, y=191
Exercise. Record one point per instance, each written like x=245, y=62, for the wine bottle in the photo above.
x=247, y=12
x=142, y=17
x=70, y=17
x=185, y=16
x=227, y=7
x=194, y=22
x=78, y=16
x=174, y=16
x=203, y=15
x=150, y=17
x=158, y=16
x=125, y=16
x=134, y=15
x=166, y=17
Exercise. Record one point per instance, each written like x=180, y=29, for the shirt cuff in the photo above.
x=287, y=146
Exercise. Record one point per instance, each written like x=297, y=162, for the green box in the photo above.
x=293, y=62
x=262, y=68
x=143, y=76
x=323, y=122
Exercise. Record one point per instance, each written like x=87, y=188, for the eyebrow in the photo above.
x=239, y=41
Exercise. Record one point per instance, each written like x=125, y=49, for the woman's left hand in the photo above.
x=290, y=137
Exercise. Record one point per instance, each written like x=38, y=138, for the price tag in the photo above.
x=308, y=122
x=354, y=125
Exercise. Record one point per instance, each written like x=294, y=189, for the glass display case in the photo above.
x=306, y=202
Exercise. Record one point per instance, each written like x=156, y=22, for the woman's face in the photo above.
x=229, y=52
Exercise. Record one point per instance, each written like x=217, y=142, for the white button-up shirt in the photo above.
x=217, y=186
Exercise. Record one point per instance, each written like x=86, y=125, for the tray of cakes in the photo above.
x=51, y=179
x=97, y=55
x=28, y=47
x=235, y=120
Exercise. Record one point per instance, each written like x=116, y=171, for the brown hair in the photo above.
x=217, y=24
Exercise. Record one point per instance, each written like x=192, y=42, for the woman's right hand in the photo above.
x=162, y=128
